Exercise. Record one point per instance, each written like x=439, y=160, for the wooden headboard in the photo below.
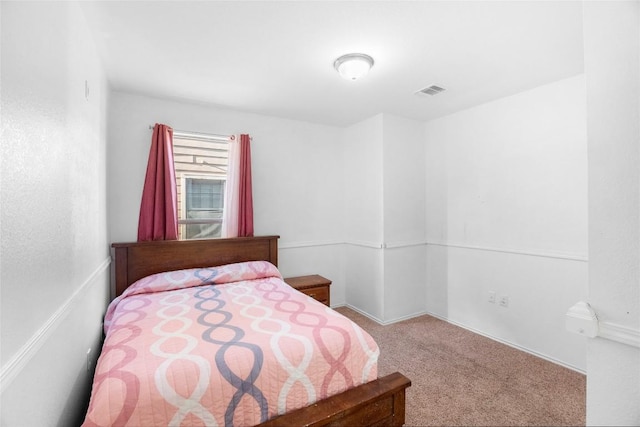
x=133, y=261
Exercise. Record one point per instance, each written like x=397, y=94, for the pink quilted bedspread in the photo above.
x=230, y=345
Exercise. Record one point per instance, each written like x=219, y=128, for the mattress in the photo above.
x=230, y=345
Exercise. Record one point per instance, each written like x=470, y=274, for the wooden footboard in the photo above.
x=377, y=403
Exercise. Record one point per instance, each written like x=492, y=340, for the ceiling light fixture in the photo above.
x=352, y=66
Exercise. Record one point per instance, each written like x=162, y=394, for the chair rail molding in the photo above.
x=537, y=253
x=16, y=364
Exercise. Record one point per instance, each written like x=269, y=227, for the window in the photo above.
x=201, y=163
x=203, y=207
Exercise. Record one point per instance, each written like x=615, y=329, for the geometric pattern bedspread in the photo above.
x=229, y=345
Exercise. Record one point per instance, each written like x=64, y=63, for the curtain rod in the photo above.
x=198, y=135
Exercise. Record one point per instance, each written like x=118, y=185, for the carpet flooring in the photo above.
x=460, y=378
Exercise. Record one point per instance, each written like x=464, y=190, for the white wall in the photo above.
x=54, y=250
x=507, y=212
x=404, y=226
x=363, y=207
x=296, y=167
x=506, y=208
x=612, y=70
x=384, y=217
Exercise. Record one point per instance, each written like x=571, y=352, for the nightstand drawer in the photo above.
x=317, y=287
x=320, y=293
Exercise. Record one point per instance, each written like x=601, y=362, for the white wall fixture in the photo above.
x=581, y=319
x=352, y=66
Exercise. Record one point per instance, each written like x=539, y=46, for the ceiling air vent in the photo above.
x=431, y=90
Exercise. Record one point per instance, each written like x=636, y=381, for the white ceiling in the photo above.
x=276, y=57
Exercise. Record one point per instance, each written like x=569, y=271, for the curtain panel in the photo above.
x=158, y=208
x=238, y=209
x=245, y=202
x=230, y=211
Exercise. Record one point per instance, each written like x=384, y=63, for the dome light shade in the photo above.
x=352, y=66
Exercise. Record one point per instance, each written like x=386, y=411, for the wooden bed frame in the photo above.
x=378, y=403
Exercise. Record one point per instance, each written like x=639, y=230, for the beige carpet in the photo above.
x=463, y=379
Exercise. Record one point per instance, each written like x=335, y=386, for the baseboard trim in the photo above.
x=364, y=313
x=460, y=325
x=379, y=321
x=509, y=343
x=17, y=363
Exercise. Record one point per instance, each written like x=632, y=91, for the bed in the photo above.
x=238, y=360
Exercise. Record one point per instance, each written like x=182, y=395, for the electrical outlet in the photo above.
x=88, y=359
x=504, y=301
x=492, y=297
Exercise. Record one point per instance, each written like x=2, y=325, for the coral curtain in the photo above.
x=245, y=202
x=238, y=205
x=158, y=208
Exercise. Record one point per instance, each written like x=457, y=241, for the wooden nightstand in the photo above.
x=317, y=287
